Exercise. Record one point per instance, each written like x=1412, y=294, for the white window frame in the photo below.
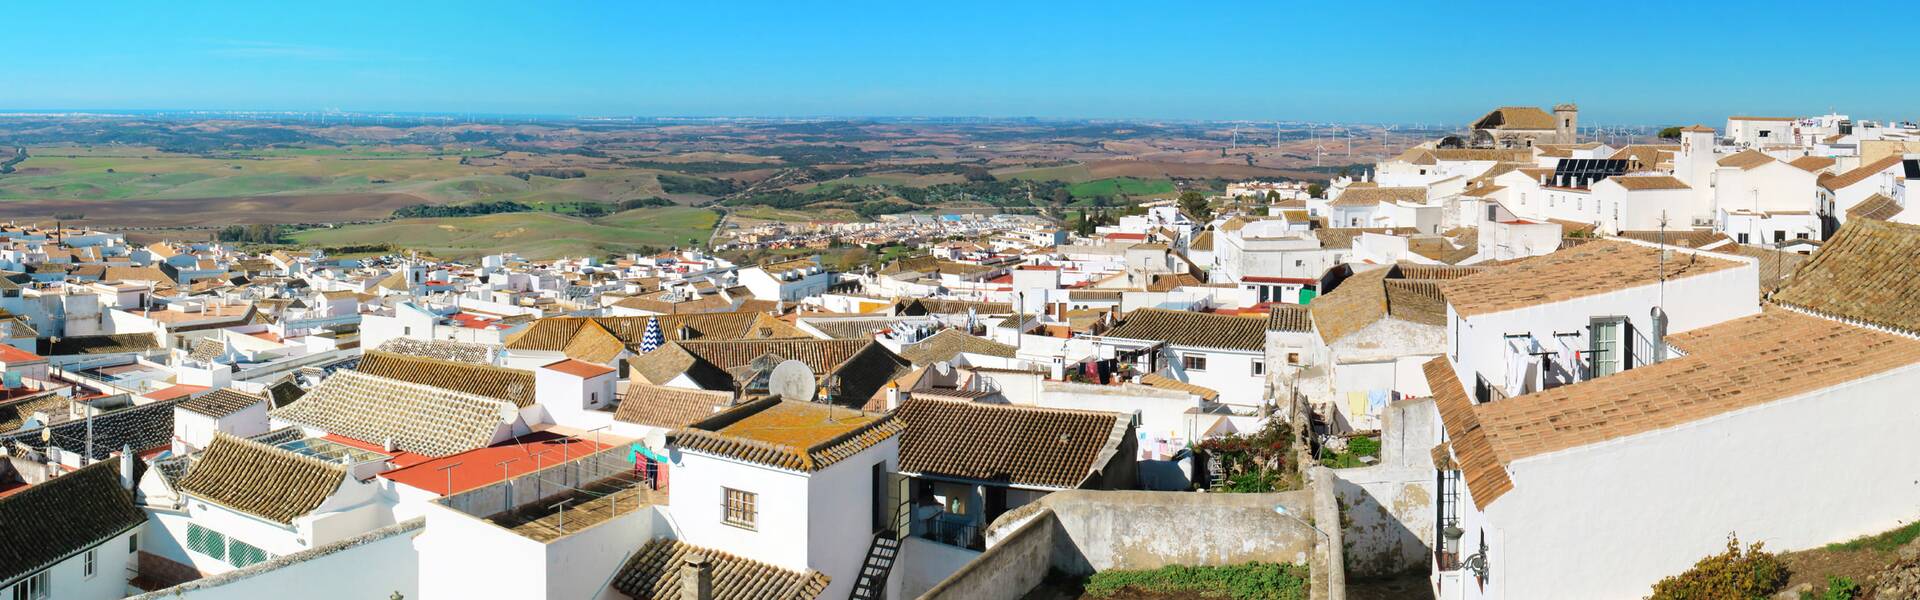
x=1259, y=367
x=1187, y=362
x=89, y=563
x=33, y=587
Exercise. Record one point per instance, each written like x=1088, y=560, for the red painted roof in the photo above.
x=1002, y=279
x=473, y=321
x=1126, y=236
x=579, y=368
x=481, y=467
x=178, y=391
x=1039, y=268
x=10, y=354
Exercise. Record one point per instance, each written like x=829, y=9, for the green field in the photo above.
x=537, y=235
x=1115, y=186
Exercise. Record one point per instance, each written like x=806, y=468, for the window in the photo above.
x=133, y=543
x=87, y=564
x=206, y=541
x=1765, y=133
x=1779, y=236
x=32, y=588
x=1802, y=235
x=1447, y=555
x=739, y=508
x=1194, y=362
x=1608, y=337
x=1293, y=358
x=1259, y=367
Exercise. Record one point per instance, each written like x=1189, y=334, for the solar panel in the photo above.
x=1582, y=172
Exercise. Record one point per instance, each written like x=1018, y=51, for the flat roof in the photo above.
x=482, y=467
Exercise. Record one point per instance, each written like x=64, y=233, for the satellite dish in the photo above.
x=943, y=368
x=792, y=380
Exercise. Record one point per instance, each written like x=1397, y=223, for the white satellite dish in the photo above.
x=792, y=380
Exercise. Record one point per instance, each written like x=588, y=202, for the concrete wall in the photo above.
x=1080, y=532
x=1389, y=511
x=1013, y=565
x=924, y=564
x=374, y=565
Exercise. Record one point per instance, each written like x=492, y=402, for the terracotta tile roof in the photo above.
x=671, y=407
x=1041, y=447
x=260, y=480
x=1484, y=471
x=654, y=574
x=1878, y=207
x=1515, y=117
x=1406, y=292
x=1289, y=317
x=942, y=306
x=1588, y=269
x=1376, y=195
x=1812, y=164
x=950, y=343
x=799, y=436
x=1202, y=242
x=1863, y=173
x=421, y=419
x=1745, y=362
x=15, y=412
x=1162, y=381
x=1342, y=237
x=1649, y=182
x=1698, y=129
x=574, y=336
x=140, y=427
x=479, y=354
x=501, y=383
x=1684, y=238
x=53, y=520
x=102, y=344
x=1864, y=274
x=1192, y=329
x=221, y=402
x=1745, y=160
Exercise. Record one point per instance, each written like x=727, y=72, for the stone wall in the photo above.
x=1389, y=507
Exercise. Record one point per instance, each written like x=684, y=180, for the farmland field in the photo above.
x=536, y=235
x=1115, y=186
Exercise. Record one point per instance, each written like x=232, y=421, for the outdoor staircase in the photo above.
x=872, y=584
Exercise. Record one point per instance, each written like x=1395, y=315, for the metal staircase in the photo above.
x=872, y=584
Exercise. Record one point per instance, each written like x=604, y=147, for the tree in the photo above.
x=1195, y=205
x=976, y=173
x=1316, y=189
x=1670, y=133
x=1062, y=196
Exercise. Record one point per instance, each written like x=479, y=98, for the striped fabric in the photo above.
x=653, y=338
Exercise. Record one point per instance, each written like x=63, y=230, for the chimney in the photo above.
x=389, y=446
x=893, y=396
x=696, y=578
x=126, y=467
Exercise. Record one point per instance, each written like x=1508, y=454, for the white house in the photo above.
x=1219, y=352
x=787, y=281
x=71, y=536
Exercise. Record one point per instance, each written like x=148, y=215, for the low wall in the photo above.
x=1080, y=532
x=1009, y=569
x=376, y=564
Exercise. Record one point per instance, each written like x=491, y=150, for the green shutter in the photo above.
x=241, y=554
x=206, y=541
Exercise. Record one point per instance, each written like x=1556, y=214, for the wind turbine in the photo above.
x=1319, y=151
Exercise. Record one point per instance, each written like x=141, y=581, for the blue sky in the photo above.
x=1623, y=61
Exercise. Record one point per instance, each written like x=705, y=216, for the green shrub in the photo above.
x=1885, y=542
x=1736, y=573
x=1838, y=588
x=1252, y=581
